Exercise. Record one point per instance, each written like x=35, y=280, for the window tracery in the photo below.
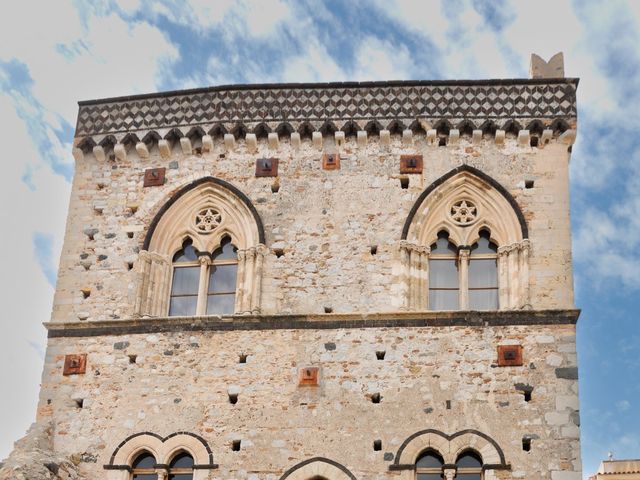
x=464, y=247
x=219, y=268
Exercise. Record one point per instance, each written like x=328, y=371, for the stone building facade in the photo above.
x=618, y=470
x=317, y=281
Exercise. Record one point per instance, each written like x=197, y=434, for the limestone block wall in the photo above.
x=324, y=221
x=442, y=378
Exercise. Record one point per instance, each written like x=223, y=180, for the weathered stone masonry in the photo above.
x=332, y=274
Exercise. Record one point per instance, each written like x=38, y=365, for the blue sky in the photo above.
x=55, y=53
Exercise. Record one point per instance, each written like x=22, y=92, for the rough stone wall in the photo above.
x=180, y=382
x=34, y=458
x=325, y=221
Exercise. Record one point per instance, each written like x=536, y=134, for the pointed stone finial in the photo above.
x=554, y=68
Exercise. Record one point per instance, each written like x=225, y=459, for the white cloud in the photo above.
x=623, y=405
x=250, y=17
x=313, y=65
x=67, y=60
x=381, y=60
x=25, y=294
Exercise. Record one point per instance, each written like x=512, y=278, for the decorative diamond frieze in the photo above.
x=383, y=102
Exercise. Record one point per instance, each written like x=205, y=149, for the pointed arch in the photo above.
x=467, y=175
x=178, y=219
x=492, y=208
x=318, y=467
x=207, y=186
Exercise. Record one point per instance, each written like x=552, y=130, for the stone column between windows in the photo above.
x=257, y=278
x=154, y=281
x=240, y=287
x=503, y=280
x=513, y=275
x=414, y=276
x=201, y=306
x=247, y=279
x=463, y=262
x=449, y=473
x=525, y=246
x=144, y=265
x=512, y=256
x=405, y=282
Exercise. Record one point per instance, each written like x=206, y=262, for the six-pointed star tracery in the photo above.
x=463, y=211
x=208, y=219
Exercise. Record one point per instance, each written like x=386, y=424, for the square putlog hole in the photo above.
x=308, y=376
x=410, y=163
x=267, y=167
x=154, y=177
x=331, y=161
x=510, y=356
x=75, y=364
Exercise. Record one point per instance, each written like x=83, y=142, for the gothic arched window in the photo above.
x=144, y=467
x=444, y=281
x=225, y=250
x=429, y=466
x=204, y=283
x=468, y=466
x=483, y=274
x=181, y=467
x=477, y=215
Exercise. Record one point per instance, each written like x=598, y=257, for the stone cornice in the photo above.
x=313, y=321
x=390, y=105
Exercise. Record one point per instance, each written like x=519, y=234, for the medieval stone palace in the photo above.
x=332, y=281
